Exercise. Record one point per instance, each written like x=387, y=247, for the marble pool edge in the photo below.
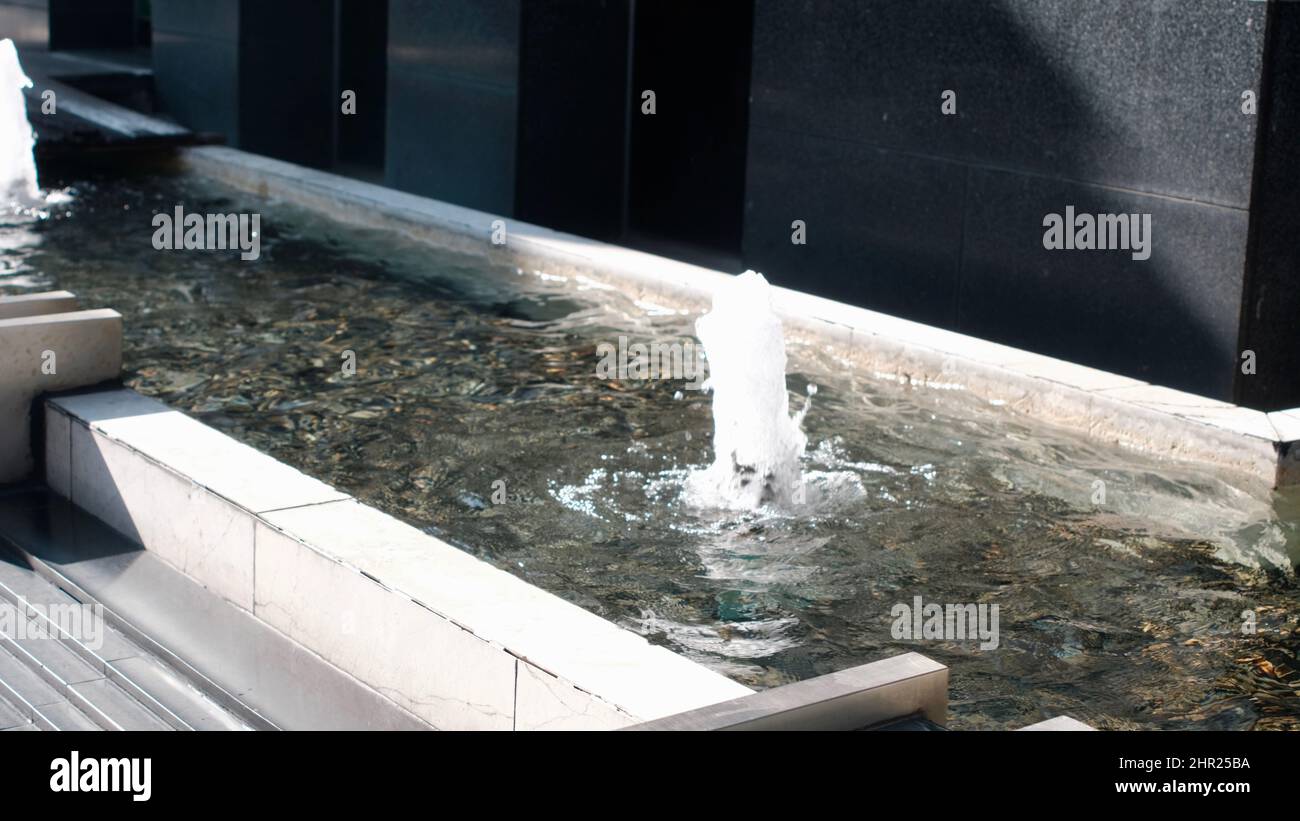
x=1132, y=414
x=447, y=637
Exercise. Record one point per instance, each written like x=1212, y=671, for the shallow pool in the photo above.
x=476, y=413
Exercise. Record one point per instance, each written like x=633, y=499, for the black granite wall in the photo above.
x=196, y=63
x=288, y=97
x=830, y=112
x=363, y=69
x=687, y=160
x=92, y=24
x=1271, y=307
x=268, y=76
x=573, y=115
x=453, y=81
x=1111, y=106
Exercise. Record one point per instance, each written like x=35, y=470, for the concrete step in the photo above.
x=64, y=716
x=40, y=704
x=255, y=674
x=110, y=707
x=10, y=717
x=153, y=683
x=80, y=684
x=27, y=683
x=55, y=679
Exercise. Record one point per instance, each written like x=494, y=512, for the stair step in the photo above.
x=153, y=683
x=51, y=659
x=98, y=671
x=22, y=588
x=100, y=700
x=25, y=684
x=110, y=707
x=63, y=716
x=10, y=717
x=242, y=665
x=28, y=726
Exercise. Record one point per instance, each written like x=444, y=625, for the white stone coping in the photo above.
x=1161, y=421
x=454, y=640
x=47, y=345
x=46, y=302
x=1058, y=724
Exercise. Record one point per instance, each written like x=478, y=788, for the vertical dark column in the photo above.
x=362, y=44
x=287, y=95
x=687, y=175
x=1271, y=307
x=453, y=76
x=573, y=98
x=92, y=24
x=196, y=63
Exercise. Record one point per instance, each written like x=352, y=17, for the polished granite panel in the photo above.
x=1171, y=319
x=573, y=116
x=1271, y=321
x=196, y=64
x=883, y=229
x=452, y=101
x=1144, y=95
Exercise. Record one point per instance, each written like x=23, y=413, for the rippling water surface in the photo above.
x=475, y=381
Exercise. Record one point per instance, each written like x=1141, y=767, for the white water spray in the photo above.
x=757, y=445
x=17, y=166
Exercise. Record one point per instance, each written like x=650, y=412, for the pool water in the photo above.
x=476, y=413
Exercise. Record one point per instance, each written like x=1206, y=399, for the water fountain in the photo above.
x=18, y=185
x=757, y=443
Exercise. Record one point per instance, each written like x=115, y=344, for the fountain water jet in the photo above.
x=757, y=444
x=18, y=185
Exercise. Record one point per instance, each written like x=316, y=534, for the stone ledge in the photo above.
x=448, y=637
x=45, y=347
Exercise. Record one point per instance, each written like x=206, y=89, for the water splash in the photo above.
x=18, y=186
x=757, y=444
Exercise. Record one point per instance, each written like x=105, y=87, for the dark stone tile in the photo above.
x=197, y=80
x=212, y=19
x=883, y=229
x=476, y=39
x=573, y=115
x=288, y=102
x=686, y=180
x=453, y=73
x=362, y=69
x=1142, y=95
x=1171, y=320
x=1272, y=316
x=285, y=21
x=451, y=140
x=92, y=24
